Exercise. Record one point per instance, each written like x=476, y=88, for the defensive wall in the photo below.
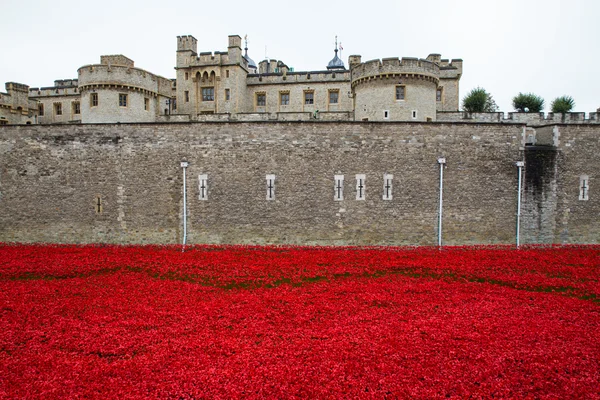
x=280, y=182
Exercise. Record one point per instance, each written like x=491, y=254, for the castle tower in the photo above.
x=394, y=89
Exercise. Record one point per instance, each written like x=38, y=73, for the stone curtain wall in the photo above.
x=122, y=183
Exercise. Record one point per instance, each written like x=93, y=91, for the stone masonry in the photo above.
x=122, y=183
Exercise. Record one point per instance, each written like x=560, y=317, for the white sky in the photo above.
x=547, y=47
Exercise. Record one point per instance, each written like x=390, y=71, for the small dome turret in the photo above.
x=336, y=62
x=251, y=63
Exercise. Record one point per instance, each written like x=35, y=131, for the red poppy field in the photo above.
x=282, y=322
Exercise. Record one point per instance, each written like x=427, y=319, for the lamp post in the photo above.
x=184, y=165
x=442, y=162
x=520, y=165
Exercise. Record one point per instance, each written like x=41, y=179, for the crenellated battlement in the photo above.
x=531, y=119
x=394, y=67
x=187, y=43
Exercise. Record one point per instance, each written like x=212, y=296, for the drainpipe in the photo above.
x=520, y=165
x=442, y=162
x=184, y=165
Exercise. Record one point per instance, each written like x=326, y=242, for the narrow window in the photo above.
x=187, y=76
x=58, y=108
x=261, y=99
x=360, y=187
x=187, y=96
x=386, y=114
x=284, y=99
x=203, y=187
x=226, y=73
x=76, y=108
x=438, y=94
x=227, y=94
x=338, y=188
x=400, y=92
x=93, y=99
x=584, y=187
x=174, y=103
x=334, y=96
x=414, y=114
x=387, y=186
x=98, y=205
x=146, y=103
x=270, y=187
x=41, y=109
x=309, y=97
x=122, y=100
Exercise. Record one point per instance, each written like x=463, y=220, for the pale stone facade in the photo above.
x=58, y=104
x=230, y=86
x=15, y=106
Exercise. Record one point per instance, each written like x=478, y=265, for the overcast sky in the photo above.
x=546, y=47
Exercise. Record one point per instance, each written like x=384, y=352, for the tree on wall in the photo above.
x=528, y=102
x=563, y=104
x=478, y=100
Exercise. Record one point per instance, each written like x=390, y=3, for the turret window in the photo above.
x=41, y=109
x=400, y=92
x=122, y=100
x=227, y=94
x=438, y=94
x=93, y=99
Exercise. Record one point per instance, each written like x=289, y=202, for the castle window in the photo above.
x=334, y=96
x=360, y=187
x=309, y=97
x=386, y=114
x=122, y=100
x=187, y=96
x=400, y=92
x=226, y=73
x=187, y=76
x=208, y=94
x=584, y=187
x=414, y=114
x=174, y=103
x=284, y=98
x=227, y=94
x=261, y=99
x=270, y=187
x=203, y=187
x=41, y=109
x=146, y=103
x=58, y=108
x=338, y=188
x=76, y=107
x=3, y=121
x=93, y=99
x=387, y=186
x=438, y=94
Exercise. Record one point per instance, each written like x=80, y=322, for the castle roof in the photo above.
x=250, y=61
x=336, y=62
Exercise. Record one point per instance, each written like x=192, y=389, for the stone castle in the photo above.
x=229, y=86
x=375, y=153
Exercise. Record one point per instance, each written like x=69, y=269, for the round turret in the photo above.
x=395, y=90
